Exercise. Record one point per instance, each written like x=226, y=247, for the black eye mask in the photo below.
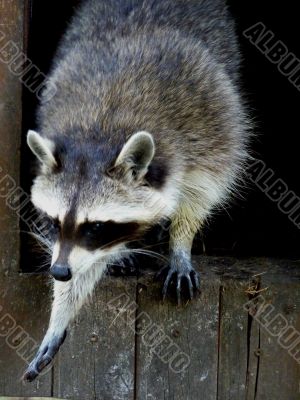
x=92, y=235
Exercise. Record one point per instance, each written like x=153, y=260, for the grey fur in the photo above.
x=170, y=68
x=167, y=67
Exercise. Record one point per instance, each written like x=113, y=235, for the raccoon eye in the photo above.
x=92, y=229
x=97, y=225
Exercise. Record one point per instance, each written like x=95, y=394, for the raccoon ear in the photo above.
x=42, y=148
x=136, y=156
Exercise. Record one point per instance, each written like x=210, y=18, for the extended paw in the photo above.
x=44, y=357
x=181, y=273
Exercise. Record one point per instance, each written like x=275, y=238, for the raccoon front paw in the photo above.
x=44, y=357
x=125, y=267
x=180, y=273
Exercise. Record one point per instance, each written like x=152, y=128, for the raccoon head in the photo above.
x=98, y=198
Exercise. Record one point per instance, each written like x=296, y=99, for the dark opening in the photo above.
x=46, y=23
x=251, y=227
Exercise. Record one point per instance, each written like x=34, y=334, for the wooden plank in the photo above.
x=233, y=349
x=98, y=356
x=253, y=359
x=11, y=42
x=99, y=360
x=24, y=313
x=278, y=371
x=240, y=352
x=193, y=330
x=29, y=398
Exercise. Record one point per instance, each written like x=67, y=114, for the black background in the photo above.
x=252, y=226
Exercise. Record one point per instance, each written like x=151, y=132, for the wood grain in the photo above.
x=279, y=372
x=122, y=344
x=233, y=350
x=97, y=360
x=24, y=313
x=193, y=328
x=11, y=36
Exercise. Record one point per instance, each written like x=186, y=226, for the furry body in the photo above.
x=168, y=72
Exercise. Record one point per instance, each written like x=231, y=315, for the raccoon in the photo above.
x=147, y=125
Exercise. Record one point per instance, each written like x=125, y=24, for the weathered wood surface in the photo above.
x=27, y=398
x=24, y=309
x=279, y=373
x=194, y=329
x=109, y=353
x=102, y=365
x=11, y=41
x=233, y=347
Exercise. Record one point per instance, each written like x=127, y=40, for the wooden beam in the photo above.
x=279, y=371
x=11, y=44
x=192, y=331
x=97, y=360
x=24, y=313
x=107, y=352
x=29, y=398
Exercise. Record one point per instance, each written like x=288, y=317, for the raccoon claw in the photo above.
x=180, y=274
x=43, y=358
x=125, y=267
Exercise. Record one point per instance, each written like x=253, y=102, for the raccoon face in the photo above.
x=97, y=206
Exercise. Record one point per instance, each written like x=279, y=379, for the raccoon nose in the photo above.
x=61, y=272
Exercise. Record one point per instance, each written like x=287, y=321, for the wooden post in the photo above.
x=21, y=299
x=11, y=44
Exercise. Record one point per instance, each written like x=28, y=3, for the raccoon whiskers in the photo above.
x=44, y=242
x=42, y=266
x=146, y=253
x=116, y=242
